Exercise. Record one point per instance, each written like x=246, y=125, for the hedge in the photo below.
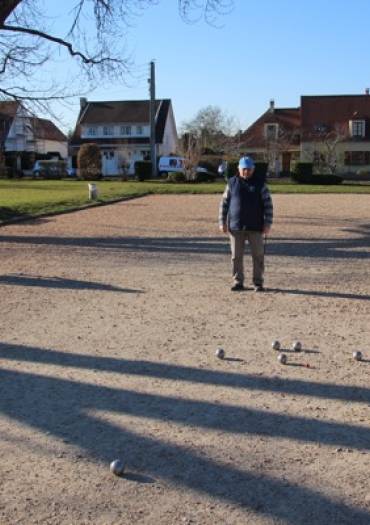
x=143, y=170
x=316, y=179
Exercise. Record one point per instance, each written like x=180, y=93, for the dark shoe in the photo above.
x=259, y=288
x=237, y=287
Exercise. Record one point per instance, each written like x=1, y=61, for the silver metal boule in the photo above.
x=357, y=355
x=220, y=353
x=297, y=346
x=282, y=358
x=276, y=345
x=117, y=467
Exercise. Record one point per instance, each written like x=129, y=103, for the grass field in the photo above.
x=40, y=197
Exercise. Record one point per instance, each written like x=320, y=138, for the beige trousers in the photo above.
x=256, y=243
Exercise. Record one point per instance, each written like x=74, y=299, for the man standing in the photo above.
x=246, y=213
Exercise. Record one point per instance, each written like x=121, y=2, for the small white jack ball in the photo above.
x=357, y=355
x=220, y=353
x=282, y=358
x=276, y=345
x=117, y=467
x=297, y=346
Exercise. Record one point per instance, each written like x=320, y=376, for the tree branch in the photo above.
x=59, y=41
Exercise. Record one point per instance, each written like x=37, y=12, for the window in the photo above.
x=356, y=158
x=91, y=132
x=320, y=128
x=271, y=131
x=125, y=130
x=108, y=130
x=139, y=130
x=357, y=128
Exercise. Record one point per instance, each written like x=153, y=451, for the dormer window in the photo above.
x=357, y=128
x=271, y=131
x=107, y=130
x=91, y=132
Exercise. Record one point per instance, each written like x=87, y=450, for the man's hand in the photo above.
x=266, y=230
x=223, y=228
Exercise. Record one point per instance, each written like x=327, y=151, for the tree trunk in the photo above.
x=6, y=9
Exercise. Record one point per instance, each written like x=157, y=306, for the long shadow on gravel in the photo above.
x=186, y=374
x=74, y=412
x=60, y=282
x=348, y=248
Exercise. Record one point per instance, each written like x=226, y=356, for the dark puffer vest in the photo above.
x=246, y=211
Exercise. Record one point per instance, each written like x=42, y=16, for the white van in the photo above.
x=171, y=165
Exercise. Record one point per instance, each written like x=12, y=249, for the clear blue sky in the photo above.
x=264, y=49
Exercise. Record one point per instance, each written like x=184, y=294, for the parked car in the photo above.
x=168, y=165
x=50, y=169
x=180, y=165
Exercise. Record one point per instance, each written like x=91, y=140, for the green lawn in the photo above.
x=38, y=197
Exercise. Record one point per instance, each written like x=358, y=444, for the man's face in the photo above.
x=246, y=173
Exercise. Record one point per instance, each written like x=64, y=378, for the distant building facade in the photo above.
x=122, y=131
x=24, y=138
x=332, y=131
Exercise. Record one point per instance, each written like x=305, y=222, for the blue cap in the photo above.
x=246, y=162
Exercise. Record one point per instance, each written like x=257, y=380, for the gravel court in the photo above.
x=111, y=317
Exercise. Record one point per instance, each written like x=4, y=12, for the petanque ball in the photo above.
x=220, y=353
x=117, y=467
x=276, y=345
x=297, y=346
x=282, y=358
x=357, y=355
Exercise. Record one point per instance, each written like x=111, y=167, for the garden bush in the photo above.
x=260, y=171
x=303, y=169
x=176, y=177
x=143, y=170
x=89, y=162
x=201, y=176
x=232, y=168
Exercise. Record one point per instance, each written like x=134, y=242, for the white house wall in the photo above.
x=46, y=146
x=20, y=136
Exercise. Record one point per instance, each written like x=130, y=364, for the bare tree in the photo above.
x=212, y=128
x=325, y=151
x=27, y=43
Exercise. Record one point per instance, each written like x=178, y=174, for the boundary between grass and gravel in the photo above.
x=73, y=209
x=22, y=200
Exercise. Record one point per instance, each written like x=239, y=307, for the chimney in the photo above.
x=367, y=91
x=272, y=105
x=83, y=102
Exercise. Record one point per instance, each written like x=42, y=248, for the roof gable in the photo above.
x=289, y=120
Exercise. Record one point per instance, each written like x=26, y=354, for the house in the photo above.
x=331, y=131
x=122, y=131
x=25, y=138
x=274, y=138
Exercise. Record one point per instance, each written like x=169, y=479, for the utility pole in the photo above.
x=153, y=152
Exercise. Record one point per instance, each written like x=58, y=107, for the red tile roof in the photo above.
x=330, y=112
x=289, y=120
x=47, y=130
